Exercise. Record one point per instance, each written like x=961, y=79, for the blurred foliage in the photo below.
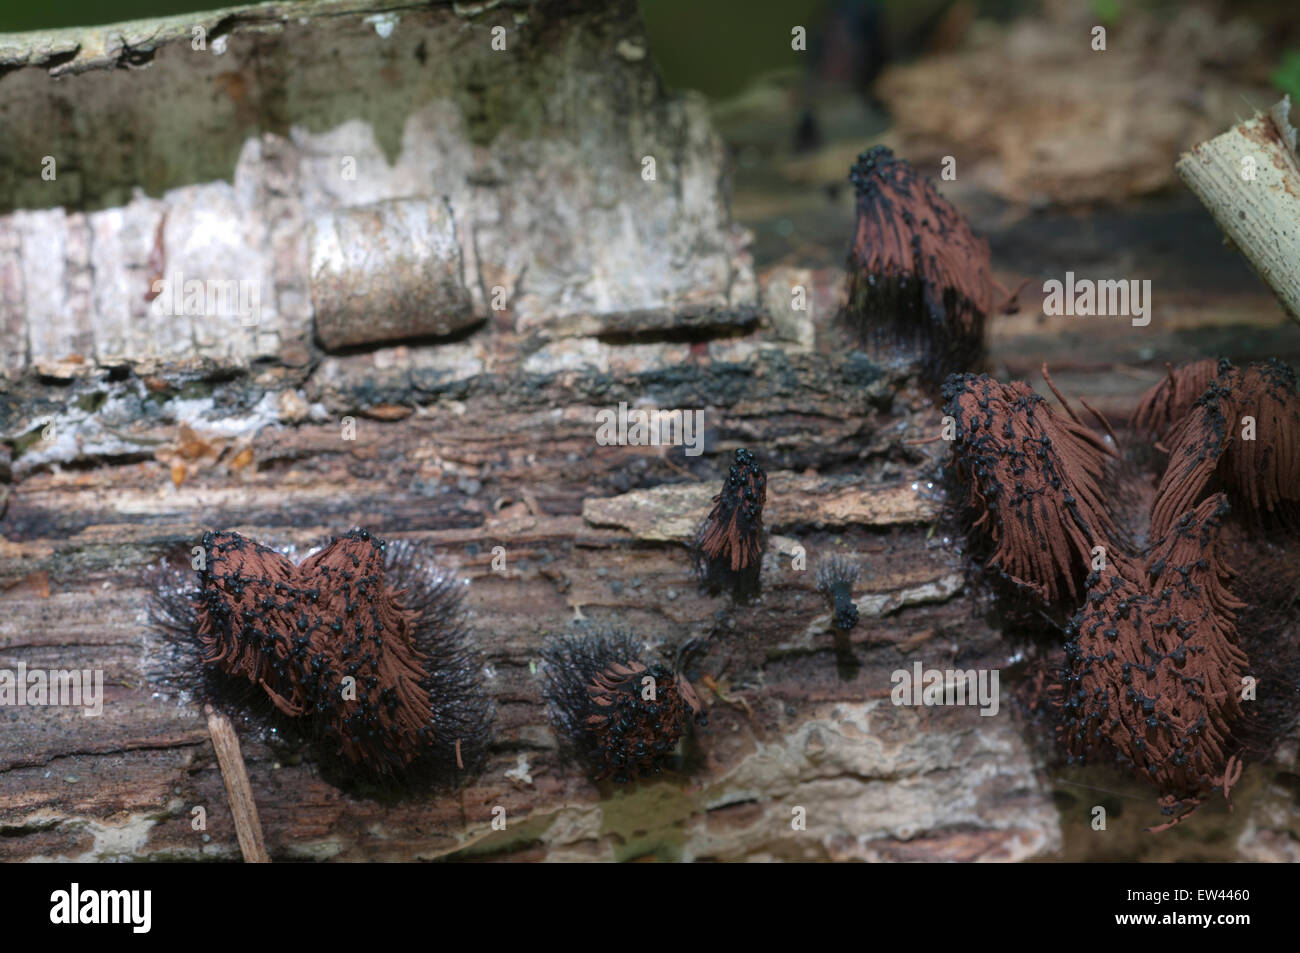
x=1107, y=11
x=706, y=46
x=17, y=16
x=1287, y=75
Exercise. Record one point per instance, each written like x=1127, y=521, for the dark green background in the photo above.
x=715, y=46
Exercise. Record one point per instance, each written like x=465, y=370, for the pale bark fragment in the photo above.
x=1249, y=179
x=673, y=513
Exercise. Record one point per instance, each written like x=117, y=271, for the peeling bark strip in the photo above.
x=491, y=199
x=1249, y=179
x=673, y=513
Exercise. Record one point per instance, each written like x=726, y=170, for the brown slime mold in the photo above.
x=729, y=545
x=1153, y=670
x=1034, y=484
x=919, y=278
x=621, y=713
x=1213, y=442
x=360, y=647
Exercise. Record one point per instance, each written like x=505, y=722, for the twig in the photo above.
x=247, y=826
x=1249, y=179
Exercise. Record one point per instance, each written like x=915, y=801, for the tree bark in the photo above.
x=117, y=457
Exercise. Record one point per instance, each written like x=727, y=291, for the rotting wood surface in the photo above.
x=489, y=440
x=593, y=532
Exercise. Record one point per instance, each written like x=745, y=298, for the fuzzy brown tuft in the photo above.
x=919, y=278
x=359, y=648
x=1033, y=484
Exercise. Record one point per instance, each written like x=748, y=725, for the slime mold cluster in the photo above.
x=360, y=648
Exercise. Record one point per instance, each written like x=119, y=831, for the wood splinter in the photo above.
x=248, y=828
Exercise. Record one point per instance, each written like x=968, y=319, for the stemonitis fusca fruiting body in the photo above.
x=920, y=281
x=1155, y=675
x=728, y=547
x=361, y=648
x=1032, y=484
x=619, y=710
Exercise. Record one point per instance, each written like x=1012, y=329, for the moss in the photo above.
x=648, y=819
x=24, y=442
x=517, y=836
x=92, y=401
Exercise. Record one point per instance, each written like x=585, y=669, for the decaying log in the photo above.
x=560, y=191
x=125, y=438
x=509, y=460
x=498, y=464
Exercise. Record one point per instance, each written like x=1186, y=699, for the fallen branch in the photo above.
x=1249, y=179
